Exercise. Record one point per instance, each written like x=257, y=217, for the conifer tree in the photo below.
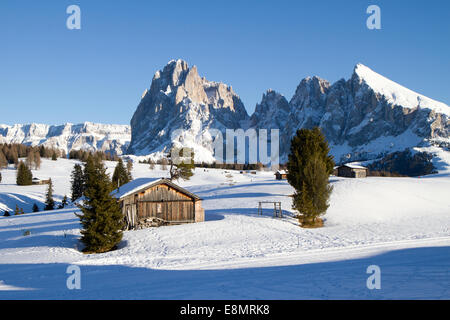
x=24, y=175
x=129, y=169
x=312, y=200
x=6, y=214
x=309, y=167
x=49, y=202
x=101, y=217
x=64, y=202
x=3, y=160
x=35, y=208
x=77, y=182
x=120, y=175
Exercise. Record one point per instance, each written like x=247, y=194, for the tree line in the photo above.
x=11, y=153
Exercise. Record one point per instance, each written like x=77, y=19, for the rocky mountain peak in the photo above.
x=179, y=98
x=362, y=117
x=309, y=91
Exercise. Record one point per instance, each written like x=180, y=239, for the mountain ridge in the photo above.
x=363, y=117
x=86, y=136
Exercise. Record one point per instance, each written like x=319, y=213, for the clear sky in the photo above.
x=50, y=74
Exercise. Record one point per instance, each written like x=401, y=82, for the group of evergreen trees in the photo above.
x=309, y=167
x=122, y=174
x=11, y=153
x=83, y=155
x=403, y=163
x=79, y=177
x=24, y=176
x=214, y=165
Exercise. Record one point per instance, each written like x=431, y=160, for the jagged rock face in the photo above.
x=180, y=99
x=366, y=115
x=362, y=117
x=86, y=136
x=272, y=113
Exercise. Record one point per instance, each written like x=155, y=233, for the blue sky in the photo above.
x=49, y=74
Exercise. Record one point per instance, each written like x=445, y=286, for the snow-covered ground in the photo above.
x=400, y=224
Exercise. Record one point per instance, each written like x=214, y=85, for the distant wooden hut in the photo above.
x=147, y=202
x=351, y=171
x=281, y=174
x=37, y=181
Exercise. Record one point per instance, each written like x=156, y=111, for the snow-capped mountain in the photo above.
x=368, y=115
x=85, y=136
x=362, y=117
x=179, y=98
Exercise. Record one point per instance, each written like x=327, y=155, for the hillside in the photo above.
x=401, y=224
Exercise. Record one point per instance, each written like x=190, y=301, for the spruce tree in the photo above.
x=77, y=182
x=120, y=175
x=64, y=202
x=101, y=217
x=49, y=202
x=309, y=167
x=129, y=169
x=312, y=199
x=24, y=175
x=35, y=208
x=3, y=160
x=306, y=144
x=6, y=214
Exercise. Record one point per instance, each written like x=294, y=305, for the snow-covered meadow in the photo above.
x=400, y=224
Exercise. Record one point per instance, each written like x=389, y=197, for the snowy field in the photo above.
x=400, y=224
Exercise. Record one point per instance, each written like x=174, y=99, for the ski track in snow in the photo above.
x=400, y=223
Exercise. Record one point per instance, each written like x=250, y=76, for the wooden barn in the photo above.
x=281, y=174
x=351, y=171
x=147, y=202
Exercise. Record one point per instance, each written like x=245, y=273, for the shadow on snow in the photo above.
x=419, y=273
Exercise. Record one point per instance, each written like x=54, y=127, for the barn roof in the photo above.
x=353, y=166
x=141, y=184
x=281, y=172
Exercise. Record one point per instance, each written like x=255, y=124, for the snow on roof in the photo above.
x=282, y=172
x=396, y=93
x=354, y=166
x=143, y=183
x=133, y=186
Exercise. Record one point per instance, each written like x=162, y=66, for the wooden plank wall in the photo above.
x=163, y=202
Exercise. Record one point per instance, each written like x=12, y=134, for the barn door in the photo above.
x=160, y=210
x=130, y=216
